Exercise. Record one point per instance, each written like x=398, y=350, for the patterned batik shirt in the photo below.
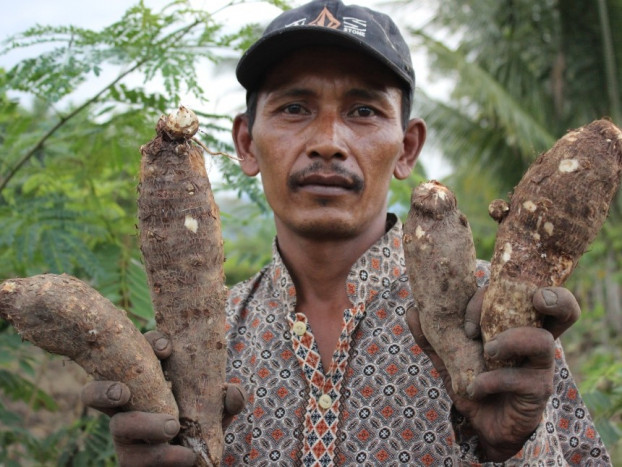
x=381, y=402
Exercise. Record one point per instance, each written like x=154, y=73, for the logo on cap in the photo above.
x=326, y=19
x=355, y=26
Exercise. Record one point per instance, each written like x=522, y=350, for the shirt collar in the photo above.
x=371, y=274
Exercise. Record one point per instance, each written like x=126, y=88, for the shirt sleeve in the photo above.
x=566, y=436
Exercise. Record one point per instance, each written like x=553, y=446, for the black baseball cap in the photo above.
x=331, y=23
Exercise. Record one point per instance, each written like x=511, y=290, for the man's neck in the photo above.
x=319, y=267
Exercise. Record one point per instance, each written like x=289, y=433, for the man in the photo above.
x=322, y=339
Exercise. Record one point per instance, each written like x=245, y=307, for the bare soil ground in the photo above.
x=61, y=379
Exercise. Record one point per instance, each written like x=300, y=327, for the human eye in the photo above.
x=363, y=111
x=294, y=109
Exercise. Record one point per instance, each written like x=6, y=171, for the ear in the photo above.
x=243, y=141
x=414, y=137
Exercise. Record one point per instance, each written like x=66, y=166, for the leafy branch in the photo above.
x=63, y=120
x=137, y=42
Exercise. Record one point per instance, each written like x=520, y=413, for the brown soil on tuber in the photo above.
x=65, y=316
x=182, y=246
x=440, y=259
x=555, y=212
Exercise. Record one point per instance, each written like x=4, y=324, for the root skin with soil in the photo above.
x=440, y=259
x=65, y=316
x=182, y=246
x=554, y=213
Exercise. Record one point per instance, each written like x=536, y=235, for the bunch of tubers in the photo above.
x=181, y=242
x=554, y=213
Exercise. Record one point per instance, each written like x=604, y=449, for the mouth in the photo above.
x=326, y=183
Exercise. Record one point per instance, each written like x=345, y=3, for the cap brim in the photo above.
x=273, y=47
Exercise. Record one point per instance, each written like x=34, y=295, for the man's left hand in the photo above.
x=506, y=405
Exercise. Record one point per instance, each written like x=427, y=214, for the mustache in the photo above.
x=355, y=182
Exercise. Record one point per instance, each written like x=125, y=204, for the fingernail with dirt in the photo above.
x=171, y=427
x=492, y=348
x=114, y=392
x=550, y=297
x=471, y=330
x=161, y=344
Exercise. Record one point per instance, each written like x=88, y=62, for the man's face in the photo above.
x=327, y=139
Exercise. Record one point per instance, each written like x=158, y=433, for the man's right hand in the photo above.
x=141, y=438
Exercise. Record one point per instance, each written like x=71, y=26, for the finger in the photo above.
x=163, y=455
x=560, y=308
x=473, y=313
x=534, y=346
x=151, y=428
x=105, y=396
x=412, y=319
x=235, y=399
x=160, y=344
x=533, y=385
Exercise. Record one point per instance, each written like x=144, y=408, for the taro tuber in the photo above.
x=182, y=246
x=65, y=316
x=440, y=259
x=555, y=212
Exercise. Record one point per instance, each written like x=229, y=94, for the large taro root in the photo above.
x=440, y=259
x=182, y=246
x=65, y=316
x=554, y=213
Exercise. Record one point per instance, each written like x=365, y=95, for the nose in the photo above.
x=327, y=137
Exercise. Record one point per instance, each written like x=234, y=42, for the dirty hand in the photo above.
x=141, y=438
x=506, y=405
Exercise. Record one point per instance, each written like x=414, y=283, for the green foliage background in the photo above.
x=520, y=73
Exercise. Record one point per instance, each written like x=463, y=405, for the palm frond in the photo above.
x=490, y=106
